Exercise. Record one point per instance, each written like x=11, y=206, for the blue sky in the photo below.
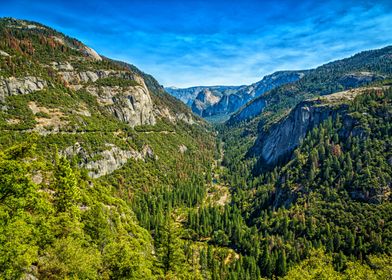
x=186, y=43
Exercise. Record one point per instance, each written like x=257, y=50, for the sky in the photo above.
x=186, y=43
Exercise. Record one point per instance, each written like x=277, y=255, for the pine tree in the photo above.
x=282, y=263
x=67, y=192
x=170, y=250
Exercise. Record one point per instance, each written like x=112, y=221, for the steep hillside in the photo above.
x=83, y=140
x=104, y=175
x=188, y=95
x=330, y=198
x=283, y=137
x=360, y=69
x=249, y=125
x=306, y=165
x=219, y=102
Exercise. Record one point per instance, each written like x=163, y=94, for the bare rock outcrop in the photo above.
x=283, y=137
x=185, y=118
x=75, y=77
x=91, y=53
x=108, y=160
x=62, y=66
x=132, y=105
x=358, y=78
x=249, y=111
x=25, y=85
x=3, y=53
x=203, y=100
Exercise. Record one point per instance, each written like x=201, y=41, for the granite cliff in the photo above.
x=219, y=102
x=279, y=140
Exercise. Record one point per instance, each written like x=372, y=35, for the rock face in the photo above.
x=251, y=110
x=358, y=78
x=270, y=82
x=226, y=105
x=283, y=137
x=76, y=78
x=132, y=105
x=14, y=86
x=174, y=118
x=91, y=53
x=231, y=103
x=224, y=101
x=62, y=66
x=204, y=99
x=109, y=160
x=185, y=118
x=188, y=95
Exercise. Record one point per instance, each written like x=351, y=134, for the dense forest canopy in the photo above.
x=189, y=201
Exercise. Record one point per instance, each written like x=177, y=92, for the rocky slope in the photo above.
x=220, y=101
x=85, y=141
x=204, y=100
x=188, y=95
x=283, y=137
x=53, y=84
x=14, y=86
x=358, y=70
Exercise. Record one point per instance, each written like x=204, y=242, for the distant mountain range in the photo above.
x=104, y=175
x=219, y=102
x=359, y=70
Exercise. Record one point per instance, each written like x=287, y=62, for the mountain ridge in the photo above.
x=226, y=100
x=104, y=175
x=348, y=73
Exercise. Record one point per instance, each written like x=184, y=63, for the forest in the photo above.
x=189, y=201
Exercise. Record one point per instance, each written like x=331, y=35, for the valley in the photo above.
x=105, y=175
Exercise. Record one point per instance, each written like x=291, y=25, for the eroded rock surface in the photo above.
x=62, y=66
x=107, y=161
x=132, y=105
x=283, y=137
x=14, y=86
x=92, y=53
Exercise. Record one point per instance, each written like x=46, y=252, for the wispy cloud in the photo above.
x=185, y=43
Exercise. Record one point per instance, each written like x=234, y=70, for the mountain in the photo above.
x=272, y=125
x=281, y=138
x=360, y=69
x=104, y=175
x=308, y=160
x=83, y=139
x=219, y=102
x=188, y=95
x=338, y=173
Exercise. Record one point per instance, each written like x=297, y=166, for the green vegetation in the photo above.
x=324, y=212
x=113, y=81
x=333, y=183
x=72, y=228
